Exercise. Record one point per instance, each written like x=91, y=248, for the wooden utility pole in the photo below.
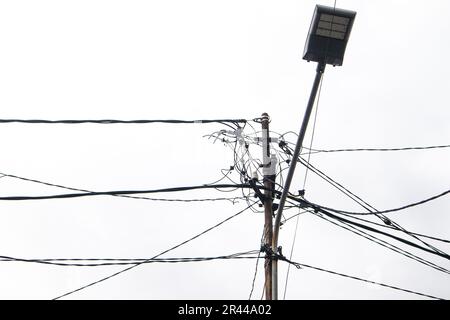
x=269, y=178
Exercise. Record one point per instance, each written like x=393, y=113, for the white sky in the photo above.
x=215, y=59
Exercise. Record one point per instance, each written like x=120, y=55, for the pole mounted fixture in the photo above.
x=328, y=35
x=326, y=42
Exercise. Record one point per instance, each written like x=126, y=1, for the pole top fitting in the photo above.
x=265, y=117
x=321, y=67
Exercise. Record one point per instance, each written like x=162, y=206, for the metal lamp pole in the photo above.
x=319, y=72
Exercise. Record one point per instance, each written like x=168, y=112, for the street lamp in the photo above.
x=326, y=42
x=328, y=35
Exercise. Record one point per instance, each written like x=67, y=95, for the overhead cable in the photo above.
x=156, y=256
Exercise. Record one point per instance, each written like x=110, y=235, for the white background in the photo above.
x=210, y=60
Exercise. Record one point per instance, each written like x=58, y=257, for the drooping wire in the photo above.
x=369, y=281
x=395, y=229
x=121, y=192
x=232, y=199
x=154, y=257
x=383, y=243
x=88, y=262
x=363, y=203
x=412, y=244
x=256, y=268
x=302, y=265
x=113, y=121
x=388, y=245
x=386, y=211
x=358, y=200
x=378, y=149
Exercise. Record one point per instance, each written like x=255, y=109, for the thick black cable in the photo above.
x=439, y=253
x=302, y=265
x=231, y=199
x=369, y=281
x=178, y=189
x=378, y=149
x=394, y=228
x=383, y=243
x=121, y=192
x=367, y=206
x=64, y=262
x=379, y=241
x=364, y=204
x=379, y=225
x=112, y=121
x=156, y=256
x=412, y=244
x=384, y=211
x=337, y=185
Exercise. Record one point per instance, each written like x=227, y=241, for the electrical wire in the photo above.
x=112, y=121
x=384, y=211
x=154, y=257
x=302, y=265
x=121, y=192
x=231, y=199
x=385, y=244
x=368, y=281
x=256, y=268
x=395, y=229
x=363, y=203
x=120, y=262
x=441, y=254
x=378, y=149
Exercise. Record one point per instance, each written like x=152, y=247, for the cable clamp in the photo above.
x=258, y=192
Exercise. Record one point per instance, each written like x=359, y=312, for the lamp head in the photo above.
x=328, y=35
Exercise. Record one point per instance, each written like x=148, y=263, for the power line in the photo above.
x=177, y=189
x=337, y=185
x=439, y=253
x=112, y=121
x=379, y=241
x=256, y=268
x=384, y=211
x=364, y=204
x=156, y=256
x=121, y=192
x=378, y=224
x=385, y=244
x=369, y=281
x=68, y=262
x=382, y=242
x=378, y=149
x=395, y=229
x=232, y=199
x=302, y=265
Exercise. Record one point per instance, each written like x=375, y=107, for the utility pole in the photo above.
x=269, y=179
